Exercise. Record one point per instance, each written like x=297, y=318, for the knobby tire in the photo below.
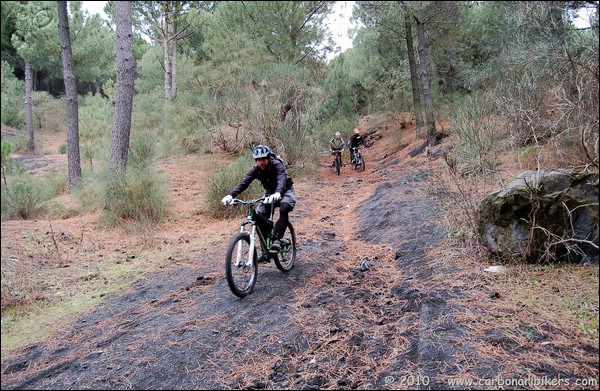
x=287, y=257
x=241, y=279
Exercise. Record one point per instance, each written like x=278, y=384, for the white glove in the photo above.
x=273, y=198
x=227, y=200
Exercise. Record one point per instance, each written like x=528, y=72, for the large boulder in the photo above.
x=543, y=216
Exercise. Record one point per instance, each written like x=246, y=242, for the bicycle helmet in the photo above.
x=261, y=151
x=356, y=131
x=338, y=135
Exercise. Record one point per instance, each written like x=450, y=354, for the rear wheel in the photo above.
x=241, y=276
x=287, y=256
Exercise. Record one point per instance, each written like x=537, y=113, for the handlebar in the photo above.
x=237, y=201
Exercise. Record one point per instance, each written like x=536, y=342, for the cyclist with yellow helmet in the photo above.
x=354, y=141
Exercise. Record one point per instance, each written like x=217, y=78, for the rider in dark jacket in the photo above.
x=279, y=189
x=354, y=141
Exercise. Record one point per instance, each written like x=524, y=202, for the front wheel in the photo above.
x=241, y=274
x=287, y=255
x=338, y=165
x=361, y=164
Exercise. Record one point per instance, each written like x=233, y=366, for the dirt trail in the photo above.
x=362, y=309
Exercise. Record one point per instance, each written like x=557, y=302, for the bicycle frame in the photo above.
x=241, y=261
x=251, y=219
x=338, y=155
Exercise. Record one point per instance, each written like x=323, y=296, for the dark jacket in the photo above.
x=356, y=139
x=274, y=179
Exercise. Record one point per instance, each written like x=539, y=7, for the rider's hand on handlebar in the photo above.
x=227, y=200
x=273, y=198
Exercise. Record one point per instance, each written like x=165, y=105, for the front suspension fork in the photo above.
x=250, y=250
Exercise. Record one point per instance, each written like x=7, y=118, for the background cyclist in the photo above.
x=337, y=144
x=354, y=141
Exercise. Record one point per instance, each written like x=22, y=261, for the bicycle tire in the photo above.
x=337, y=165
x=286, y=258
x=241, y=278
x=361, y=163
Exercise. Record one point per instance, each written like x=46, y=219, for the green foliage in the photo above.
x=92, y=46
x=9, y=165
x=479, y=135
x=539, y=74
x=27, y=198
x=151, y=76
x=36, y=37
x=223, y=180
x=90, y=195
x=95, y=116
x=187, y=131
x=9, y=168
x=13, y=93
x=48, y=112
x=284, y=31
x=148, y=112
x=280, y=110
x=54, y=183
x=142, y=151
x=138, y=194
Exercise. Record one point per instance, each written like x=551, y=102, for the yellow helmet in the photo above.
x=356, y=131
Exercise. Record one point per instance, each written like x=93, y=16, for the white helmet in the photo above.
x=337, y=135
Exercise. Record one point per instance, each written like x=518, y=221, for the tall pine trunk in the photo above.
x=429, y=117
x=414, y=76
x=119, y=147
x=73, y=157
x=29, y=106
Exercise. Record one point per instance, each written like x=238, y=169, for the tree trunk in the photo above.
x=429, y=118
x=72, y=115
x=119, y=147
x=174, y=55
x=414, y=76
x=29, y=107
x=165, y=42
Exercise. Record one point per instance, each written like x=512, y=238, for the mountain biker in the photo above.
x=354, y=141
x=279, y=190
x=337, y=144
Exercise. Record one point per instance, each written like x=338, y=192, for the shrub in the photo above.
x=13, y=92
x=479, y=135
x=137, y=193
x=27, y=198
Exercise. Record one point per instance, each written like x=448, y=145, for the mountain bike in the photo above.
x=241, y=261
x=358, y=161
x=337, y=163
